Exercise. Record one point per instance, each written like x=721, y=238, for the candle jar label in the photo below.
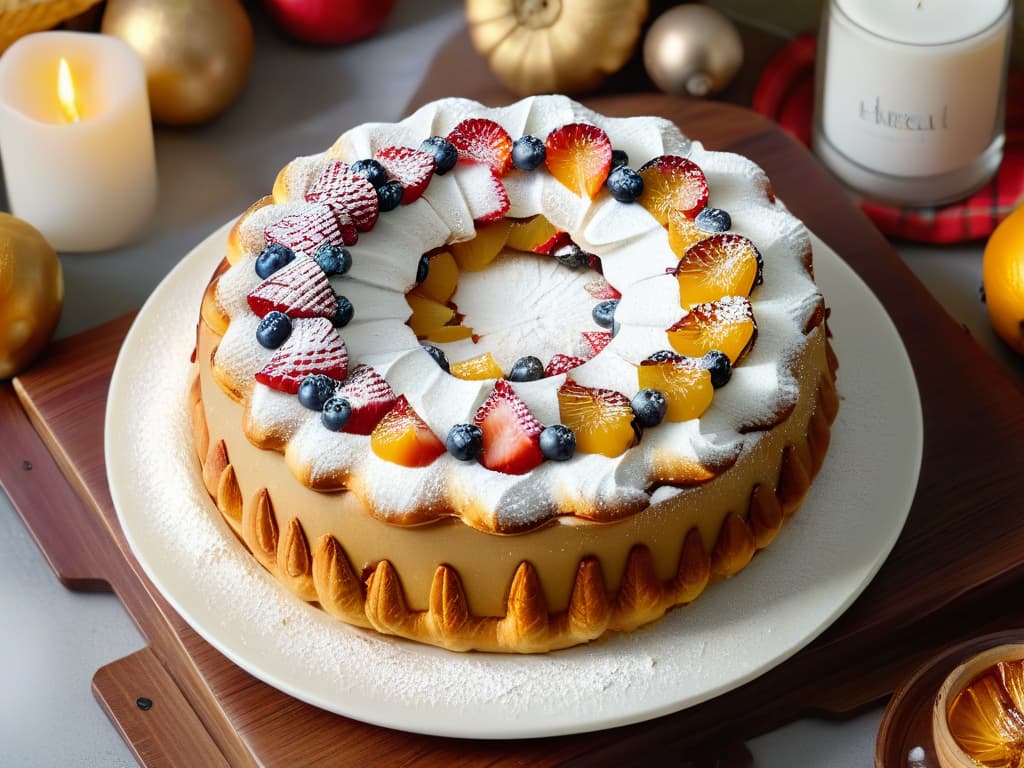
x=909, y=109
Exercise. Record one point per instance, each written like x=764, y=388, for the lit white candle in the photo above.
x=910, y=95
x=81, y=169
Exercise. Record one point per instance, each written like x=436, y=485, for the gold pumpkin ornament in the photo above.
x=197, y=53
x=31, y=293
x=555, y=46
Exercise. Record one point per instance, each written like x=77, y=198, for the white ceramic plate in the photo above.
x=738, y=629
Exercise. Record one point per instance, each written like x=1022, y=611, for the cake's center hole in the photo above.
x=519, y=288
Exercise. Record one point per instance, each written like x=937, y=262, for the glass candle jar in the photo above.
x=910, y=96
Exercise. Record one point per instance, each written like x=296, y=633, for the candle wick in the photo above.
x=920, y=5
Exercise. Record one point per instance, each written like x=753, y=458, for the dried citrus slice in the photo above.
x=726, y=325
x=721, y=265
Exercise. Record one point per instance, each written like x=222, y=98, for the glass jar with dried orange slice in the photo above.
x=1003, y=278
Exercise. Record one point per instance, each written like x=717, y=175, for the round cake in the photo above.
x=511, y=379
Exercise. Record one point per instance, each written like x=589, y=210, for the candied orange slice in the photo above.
x=601, y=419
x=450, y=333
x=427, y=315
x=402, y=437
x=986, y=720
x=684, y=382
x=727, y=325
x=530, y=234
x=673, y=183
x=442, y=278
x=477, y=368
x=721, y=265
x=474, y=255
x=682, y=233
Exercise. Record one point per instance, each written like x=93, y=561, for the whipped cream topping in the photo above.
x=634, y=252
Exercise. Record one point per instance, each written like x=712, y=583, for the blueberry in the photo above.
x=336, y=413
x=528, y=153
x=650, y=406
x=557, y=442
x=272, y=258
x=604, y=312
x=619, y=157
x=528, y=368
x=713, y=220
x=273, y=329
x=315, y=390
x=571, y=255
x=664, y=356
x=444, y=153
x=717, y=363
x=372, y=170
x=333, y=259
x=389, y=195
x=464, y=441
x=439, y=357
x=344, y=314
x=625, y=184
x=423, y=269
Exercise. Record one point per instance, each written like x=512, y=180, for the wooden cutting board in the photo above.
x=953, y=570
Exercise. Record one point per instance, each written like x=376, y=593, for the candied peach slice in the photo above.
x=449, y=333
x=474, y=255
x=682, y=233
x=402, y=437
x=442, y=278
x=727, y=325
x=985, y=720
x=602, y=419
x=684, y=382
x=579, y=155
x=721, y=265
x=477, y=368
x=673, y=183
x=530, y=234
x=427, y=315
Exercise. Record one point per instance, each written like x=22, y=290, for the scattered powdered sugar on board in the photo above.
x=738, y=629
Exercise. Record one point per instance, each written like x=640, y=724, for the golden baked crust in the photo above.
x=601, y=593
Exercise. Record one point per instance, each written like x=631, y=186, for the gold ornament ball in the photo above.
x=197, y=53
x=692, y=50
x=31, y=293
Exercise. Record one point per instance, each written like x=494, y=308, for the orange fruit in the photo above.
x=721, y=265
x=685, y=384
x=442, y=278
x=427, y=315
x=602, y=419
x=579, y=155
x=727, y=325
x=477, y=368
x=474, y=255
x=402, y=437
x=1002, y=273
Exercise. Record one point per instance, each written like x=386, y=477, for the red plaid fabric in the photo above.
x=785, y=93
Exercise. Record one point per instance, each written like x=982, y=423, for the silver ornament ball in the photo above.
x=692, y=50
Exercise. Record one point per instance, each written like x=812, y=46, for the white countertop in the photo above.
x=298, y=100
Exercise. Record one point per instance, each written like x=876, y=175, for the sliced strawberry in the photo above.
x=579, y=155
x=369, y=396
x=511, y=432
x=402, y=437
x=307, y=231
x=480, y=140
x=299, y=289
x=560, y=363
x=597, y=340
x=553, y=243
x=601, y=289
x=314, y=346
x=673, y=183
x=484, y=193
x=410, y=167
x=346, y=191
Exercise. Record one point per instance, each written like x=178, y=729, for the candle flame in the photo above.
x=66, y=92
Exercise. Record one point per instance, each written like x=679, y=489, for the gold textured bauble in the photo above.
x=692, y=50
x=197, y=53
x=555, y=46
x=31, y=293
